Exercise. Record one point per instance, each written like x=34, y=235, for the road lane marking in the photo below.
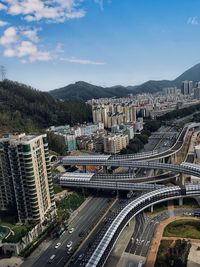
x=60, y=260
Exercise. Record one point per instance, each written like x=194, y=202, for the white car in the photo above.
x=57, y=245
x=69, y=244
x=71, y=230
x=69, y=250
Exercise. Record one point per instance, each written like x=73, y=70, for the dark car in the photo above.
x=81, y=234
x=80, y=257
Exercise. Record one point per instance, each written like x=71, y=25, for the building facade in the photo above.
x=114, y=143
x=25, y=177
x=186, y=88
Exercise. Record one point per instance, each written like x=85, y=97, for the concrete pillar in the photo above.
x=181, y=179
x=175, y=158
x=84, y=168
x=152, y=208
x=105, y=169
x=180, y=202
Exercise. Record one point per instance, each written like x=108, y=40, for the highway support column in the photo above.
x=180, y=201
x=84, y=168
x=181, y=179
x=152, y=208
x=105, y=170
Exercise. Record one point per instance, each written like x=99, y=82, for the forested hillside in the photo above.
x=86, y=91
x=24, y=108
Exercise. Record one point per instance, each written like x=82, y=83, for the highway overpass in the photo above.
x=187, y=168
x=108, y=241
x=147, y=156
x=85, y=181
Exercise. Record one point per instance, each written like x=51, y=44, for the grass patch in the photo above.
x=57, y=188
x=68, y=204
x=183, y=228
x=71, y=202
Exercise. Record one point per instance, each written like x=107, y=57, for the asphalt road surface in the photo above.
x=82, y=222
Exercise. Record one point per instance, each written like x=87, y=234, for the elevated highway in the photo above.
x=87, y=181
x=132, y=177
x=102, y=184
x=108, y=241
x=158, y=193
x=187, y=168
x=145, y=156
x=115, y=182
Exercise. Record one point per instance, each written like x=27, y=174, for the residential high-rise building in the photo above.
x=114, y=143
x=25, y=177
x=197, y=92
x=186, y=88
x=133, y=113
x=170, y=90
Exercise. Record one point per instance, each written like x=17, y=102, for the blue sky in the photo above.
x=51, y=43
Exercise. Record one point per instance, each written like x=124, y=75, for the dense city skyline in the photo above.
x=102, y=42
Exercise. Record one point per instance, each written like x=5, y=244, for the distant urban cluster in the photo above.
x=117, y=120
x=126, y=109
x=94, y=138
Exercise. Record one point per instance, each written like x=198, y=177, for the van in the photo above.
x=51, y=258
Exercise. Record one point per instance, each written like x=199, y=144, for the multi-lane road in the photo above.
x=84, y=220
x=91, y=243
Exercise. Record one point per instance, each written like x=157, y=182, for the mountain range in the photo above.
x=85, y=91
x=23, y=108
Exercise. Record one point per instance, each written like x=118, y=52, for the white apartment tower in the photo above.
x=25, y=177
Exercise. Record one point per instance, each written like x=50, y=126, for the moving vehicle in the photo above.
x=57, y=245
x=197, y=213
x=69, y=244
x=81, y=234
x=80, y=257
x=51, y=258
x=69, y=251
x=71, y=230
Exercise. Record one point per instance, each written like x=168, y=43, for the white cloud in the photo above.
x=3, y=7
x=47, y=10
x=81, y=61
x=3, y=23
x=9, y=52
x=31, y=34
x=24, y=42
x=9, y=36
x=15, y=44
x=193, y=20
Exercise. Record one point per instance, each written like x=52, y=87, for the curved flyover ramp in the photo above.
x=104, y=248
